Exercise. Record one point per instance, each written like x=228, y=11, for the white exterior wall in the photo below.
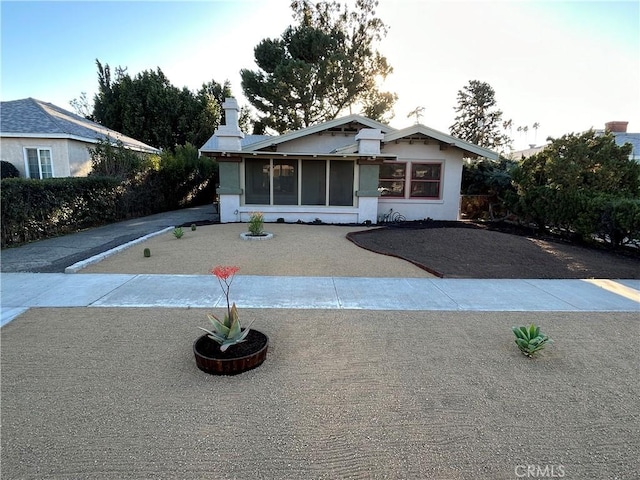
x=445, y=208
x=13, y=152
x=79, y=158
x=229, y=206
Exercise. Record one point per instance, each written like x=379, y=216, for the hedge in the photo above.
x=36, y=209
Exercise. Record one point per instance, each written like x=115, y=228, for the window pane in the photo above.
x=257, y=182
x=45, y=163
x=314, y=182
x=391, y=179
x=32, y=160
x=285, y=182
x=341, y=183
x=390, y=170
x=426, y=172
x=425, y=189
x=391, y=189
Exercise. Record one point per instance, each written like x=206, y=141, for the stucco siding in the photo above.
x=13, y=152
x=446, y=207
x=79, y=158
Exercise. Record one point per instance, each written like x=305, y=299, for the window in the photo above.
x=425, y=180
x=392, y=179
x=285, y=182
x=299, y=182
x=341, y=183
x=38, y=162
x=257, y=181
x=314, y=182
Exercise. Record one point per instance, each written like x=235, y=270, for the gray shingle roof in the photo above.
x=41, y=119
x=212, y=143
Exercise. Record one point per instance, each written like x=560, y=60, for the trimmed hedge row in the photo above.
x=615, y=220
x=36, y=209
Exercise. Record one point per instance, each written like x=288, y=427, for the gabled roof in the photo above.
x=320, y=127
x=33, y=118
x=420, y=129
x=212, y=143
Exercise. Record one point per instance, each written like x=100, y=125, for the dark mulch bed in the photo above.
x=471, y=250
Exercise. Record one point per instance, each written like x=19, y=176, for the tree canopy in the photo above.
x=320, y=67
x=149, y=108
x=478, y=119
x=581, y=184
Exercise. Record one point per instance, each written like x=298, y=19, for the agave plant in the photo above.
x=529, y=339
x=228, y=331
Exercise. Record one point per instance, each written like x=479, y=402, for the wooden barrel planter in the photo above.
x=237, y=359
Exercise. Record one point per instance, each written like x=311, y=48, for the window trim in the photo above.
x=27, y=169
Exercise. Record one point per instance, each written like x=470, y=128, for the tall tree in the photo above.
x=478, y=120
x=149, y=108
x=324, y=65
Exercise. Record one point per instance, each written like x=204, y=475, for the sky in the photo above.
x=568, y=66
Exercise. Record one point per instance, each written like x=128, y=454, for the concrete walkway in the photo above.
x=23, y=285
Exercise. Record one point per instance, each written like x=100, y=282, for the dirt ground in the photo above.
x=442, y=249
x=466, y=250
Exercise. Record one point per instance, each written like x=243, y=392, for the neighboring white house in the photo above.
x=347, y=170
x=42, y=140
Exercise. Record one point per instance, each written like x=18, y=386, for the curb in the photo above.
x=101, y=256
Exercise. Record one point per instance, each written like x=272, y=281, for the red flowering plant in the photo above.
x=228, y=331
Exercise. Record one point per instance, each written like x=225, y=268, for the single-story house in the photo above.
x=42, y=140
x=347, y=170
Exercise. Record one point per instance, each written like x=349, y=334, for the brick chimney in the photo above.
x=616, y=127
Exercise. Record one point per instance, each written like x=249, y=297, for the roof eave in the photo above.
x=320, y=127
x=442, y=137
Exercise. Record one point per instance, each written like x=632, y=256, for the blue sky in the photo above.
x=569, y=66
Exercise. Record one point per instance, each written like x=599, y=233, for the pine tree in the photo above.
x=478, y=119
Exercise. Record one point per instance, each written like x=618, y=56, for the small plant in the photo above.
x=256, y=223
x=147, y=253
x=228, y=331
x=193, y=227
x=178, y=232
x=529, y=339
x=280, y=220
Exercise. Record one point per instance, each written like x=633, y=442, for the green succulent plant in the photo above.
x=529, y=339
x=228, y=331
x=193, y=227
x=178, y=232
x=147, y=252
x=256, y=223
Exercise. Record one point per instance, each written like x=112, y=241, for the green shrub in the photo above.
x=36, y=209
x=178, y=232
x=256, y=223
x=8, y=170
x=147, y=253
